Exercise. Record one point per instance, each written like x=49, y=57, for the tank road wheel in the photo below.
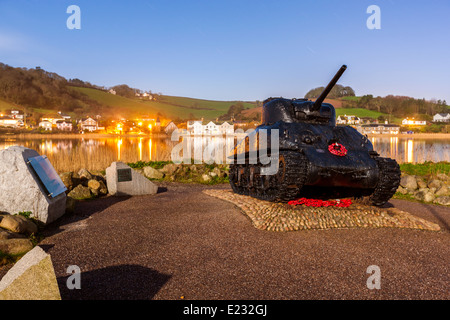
x=286, y=184
x=388, y=181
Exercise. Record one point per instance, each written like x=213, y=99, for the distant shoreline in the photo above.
x=162, y=135
x=415, y=135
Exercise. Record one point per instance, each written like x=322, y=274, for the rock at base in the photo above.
x=17, y=224
x=80, y=192
x=408, y=182
x=15, y=246
x=31, y=278
x=152, y=173
x=443, y=200
x=121, y=180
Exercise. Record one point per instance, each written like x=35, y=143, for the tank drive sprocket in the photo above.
x=388, y=181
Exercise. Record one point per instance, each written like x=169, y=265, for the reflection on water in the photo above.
x=97, y=154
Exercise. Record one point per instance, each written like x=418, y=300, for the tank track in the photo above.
x=388, y=181
x=246, y=179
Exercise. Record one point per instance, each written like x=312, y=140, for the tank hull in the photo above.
x=307, y=167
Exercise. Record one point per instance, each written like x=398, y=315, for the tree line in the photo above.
x=400, y=106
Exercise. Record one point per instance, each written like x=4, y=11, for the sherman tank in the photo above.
x=313, y=158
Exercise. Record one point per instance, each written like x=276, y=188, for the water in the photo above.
x=68, y=154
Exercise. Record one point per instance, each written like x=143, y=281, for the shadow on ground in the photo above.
x=83, y=210
x=122, y=282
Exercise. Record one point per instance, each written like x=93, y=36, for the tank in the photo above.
x=315, y=158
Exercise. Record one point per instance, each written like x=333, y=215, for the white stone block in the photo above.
x=122, y=180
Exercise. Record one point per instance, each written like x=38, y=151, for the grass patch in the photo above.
x=153, y=164
x=426, y=168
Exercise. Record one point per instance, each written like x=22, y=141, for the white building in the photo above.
x=378, y=129
x=10, y=123
x=46, y=125
x=211, y=128
x=412, y=122
x=88, y=124
x=345, y=119
x=441, y=117
x=171, y=127
x=64, y=125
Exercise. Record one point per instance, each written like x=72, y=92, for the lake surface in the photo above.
x=71, y=154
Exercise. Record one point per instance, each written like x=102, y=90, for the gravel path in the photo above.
x=182, y=243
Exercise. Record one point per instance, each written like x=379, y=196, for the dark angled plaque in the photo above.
x=124, y=175
x=48, y=176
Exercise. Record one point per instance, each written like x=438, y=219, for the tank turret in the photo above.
x=316, y=158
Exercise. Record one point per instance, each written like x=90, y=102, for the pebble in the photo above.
x=281, y=217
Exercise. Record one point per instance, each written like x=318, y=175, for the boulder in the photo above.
x=18, y=224
x=103, y=189
x=443, y=177
x=443, y=200
x=442, y=191
x=15, y=246
x=170, y=168
x=94, y=185
x=424, y=195
x=421, y=183
x=402, y=190
x=83, y=173
x=22, y=190
x=152, y=173
x=80, y=192
x=6, y=234
x=67, y=179
x=408, y=182
x=31, y=278
x=434, y=183
x=206, y=178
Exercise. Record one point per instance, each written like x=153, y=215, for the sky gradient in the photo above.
x=235, y=49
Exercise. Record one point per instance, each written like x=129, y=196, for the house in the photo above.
x=378, y=129
x=171, y=127
x=53, y=118
x=46, y=125
x=211, y=128
x=345, y=119
x=64, y=125
x=441, y=117
x=64, y=116
x=10, y=123
x=16, y=114
x=226, y=128
x=88, y=124
x=412, y=122
x=112, y=91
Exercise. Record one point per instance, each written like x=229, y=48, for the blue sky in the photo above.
x=235, y=49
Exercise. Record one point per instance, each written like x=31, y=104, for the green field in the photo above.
x=6, y=106
x=360, y=112
x=168, y=106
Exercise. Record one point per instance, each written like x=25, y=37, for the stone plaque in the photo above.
x=124, y=175
x=48, y=176
x=124, y=181
x=26, y=181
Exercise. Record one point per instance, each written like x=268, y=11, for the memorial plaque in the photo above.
x=124, y=175
x=48, y=175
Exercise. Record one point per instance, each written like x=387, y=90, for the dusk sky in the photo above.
x=235, y=49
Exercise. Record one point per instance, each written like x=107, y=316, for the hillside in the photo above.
x=168, y=106
x=39, y=92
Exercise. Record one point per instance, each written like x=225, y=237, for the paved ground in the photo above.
x=184, y=243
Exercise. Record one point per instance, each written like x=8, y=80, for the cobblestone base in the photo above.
x=283, y=217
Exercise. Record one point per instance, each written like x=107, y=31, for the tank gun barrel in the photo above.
x=326, y=91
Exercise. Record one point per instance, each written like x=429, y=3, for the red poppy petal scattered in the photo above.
x=343, y=203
